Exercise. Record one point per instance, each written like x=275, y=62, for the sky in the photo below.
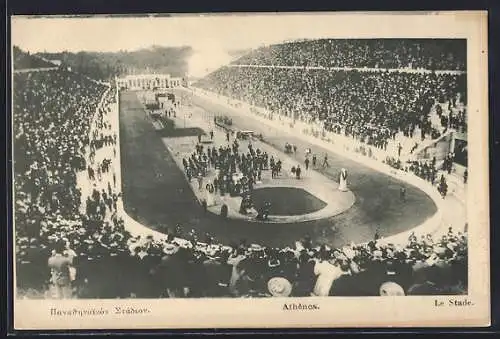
x=211, y=36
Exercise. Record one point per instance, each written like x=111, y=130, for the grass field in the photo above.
x=157, y=195
x=287, y=200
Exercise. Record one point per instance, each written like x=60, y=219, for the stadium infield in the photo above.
x=287, y=200
x=156, y=194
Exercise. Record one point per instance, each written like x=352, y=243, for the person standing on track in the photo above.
x=325, y=161
x=314, y=160
x=402, y=194
x=307, y=163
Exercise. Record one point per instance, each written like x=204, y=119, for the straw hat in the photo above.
x=391, y=289
x=256, y=248
x=170, y=249
x=279, y=287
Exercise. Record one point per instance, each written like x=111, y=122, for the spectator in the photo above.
x=60, y=265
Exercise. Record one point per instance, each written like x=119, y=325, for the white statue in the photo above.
x=343, y=180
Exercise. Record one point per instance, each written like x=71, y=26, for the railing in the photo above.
x=357, y=69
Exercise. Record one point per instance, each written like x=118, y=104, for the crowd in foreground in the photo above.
x=432, y=54
x=147, y=268
x=75, y=244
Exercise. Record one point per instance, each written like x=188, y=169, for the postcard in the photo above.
x=247, y=170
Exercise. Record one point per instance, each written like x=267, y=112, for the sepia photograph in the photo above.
x=250, y=169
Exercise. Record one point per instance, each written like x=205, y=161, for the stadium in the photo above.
x=326, y=167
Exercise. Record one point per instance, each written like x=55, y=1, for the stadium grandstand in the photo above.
x=397, y=95
x=429, y=54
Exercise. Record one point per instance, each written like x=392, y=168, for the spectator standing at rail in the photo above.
x=314, y=160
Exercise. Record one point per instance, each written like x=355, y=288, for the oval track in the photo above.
x=156, y=194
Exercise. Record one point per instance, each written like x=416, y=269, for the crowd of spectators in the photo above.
x=76, y=242
x=52, y=111
x=431, y=54
x=371, y=107
x=52, y=117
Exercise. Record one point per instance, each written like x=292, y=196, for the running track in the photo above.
x=156, y=194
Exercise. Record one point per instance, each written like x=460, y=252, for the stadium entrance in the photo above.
x=148, y=81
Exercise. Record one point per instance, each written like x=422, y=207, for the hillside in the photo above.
x=24, y=60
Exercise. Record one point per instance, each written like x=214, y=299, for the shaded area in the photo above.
x=105, y=65
x=171, y=131
x=287, y=200
x=156, y=194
